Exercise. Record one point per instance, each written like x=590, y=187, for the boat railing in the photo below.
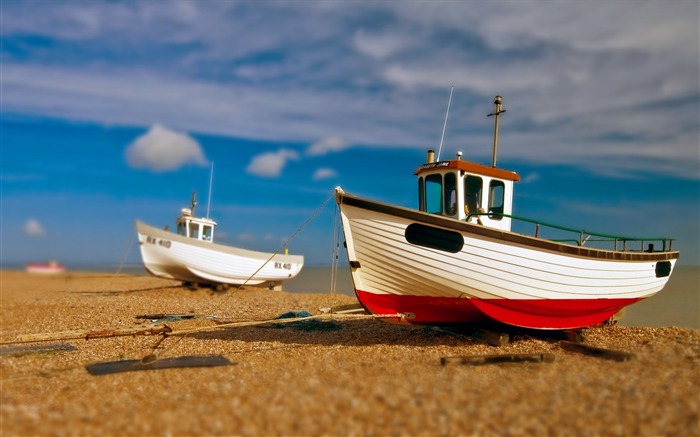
x=619, y=242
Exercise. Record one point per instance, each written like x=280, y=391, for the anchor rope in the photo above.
x=121, y=265
x=184, y=332
x=163, y=329
x=335, y=250
x=290, y=238
x=126, y=253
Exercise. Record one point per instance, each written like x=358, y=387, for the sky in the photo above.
x=117, y=111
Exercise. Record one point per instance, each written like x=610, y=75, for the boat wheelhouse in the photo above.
x=201, y=228
x=465, y=190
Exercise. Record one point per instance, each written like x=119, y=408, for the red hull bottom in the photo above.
x=532, y=313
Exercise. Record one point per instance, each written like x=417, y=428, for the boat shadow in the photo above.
x=375, y=332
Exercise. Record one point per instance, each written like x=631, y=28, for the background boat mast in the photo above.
x=211, y=177
x=499, y=111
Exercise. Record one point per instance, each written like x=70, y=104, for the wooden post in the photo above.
x=492, y=338
x=477, y=360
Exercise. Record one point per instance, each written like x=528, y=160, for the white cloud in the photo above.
x=161, y=149
x=530, y=177
x=324, y=173
x=33, y=228
x=378, y=45
x=327, y=145
x=246, y=237
x=566, y=69
x=271, y=164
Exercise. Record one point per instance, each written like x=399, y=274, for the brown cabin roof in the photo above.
x=469, y=167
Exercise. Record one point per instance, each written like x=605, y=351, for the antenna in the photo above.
x=211, y=177
x=499, y=110
x=445, y=125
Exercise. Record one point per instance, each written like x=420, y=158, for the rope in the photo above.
x=166, y=331
x=126, y=253
x=290, y=238
x=335, y=250
x=242, y=324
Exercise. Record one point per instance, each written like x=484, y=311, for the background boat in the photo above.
x=199, y=260
x=51, y=267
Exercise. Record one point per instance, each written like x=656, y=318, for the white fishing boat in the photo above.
x=456, y=260
x=191, y=255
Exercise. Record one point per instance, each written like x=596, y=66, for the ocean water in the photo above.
x=678, y=304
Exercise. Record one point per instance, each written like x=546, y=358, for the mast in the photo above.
x=444, y=126
x=211, y=177
x=499, y=111
x=193, y=202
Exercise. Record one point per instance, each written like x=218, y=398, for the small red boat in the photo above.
x=52, y=267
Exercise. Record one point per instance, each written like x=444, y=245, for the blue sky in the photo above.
x=113, y=111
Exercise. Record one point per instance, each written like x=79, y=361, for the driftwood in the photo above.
x=351, y=308
x=163, y=316
x=166, y=317
x=17, y=351
x=488, y=336
x=600, y=352
x=476, y=360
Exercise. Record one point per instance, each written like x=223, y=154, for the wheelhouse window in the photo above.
x=496, y=198
x=472, y=193
x=181, y=229
x=207, y=231
x=194, y=230
x=450, y=201
x=421, y=194
x=433, y=194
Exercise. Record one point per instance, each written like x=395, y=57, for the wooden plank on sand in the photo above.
x=477, y=360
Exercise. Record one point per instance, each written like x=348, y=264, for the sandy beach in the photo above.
x=336, y=377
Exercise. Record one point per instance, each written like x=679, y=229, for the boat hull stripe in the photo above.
x=509, y=237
